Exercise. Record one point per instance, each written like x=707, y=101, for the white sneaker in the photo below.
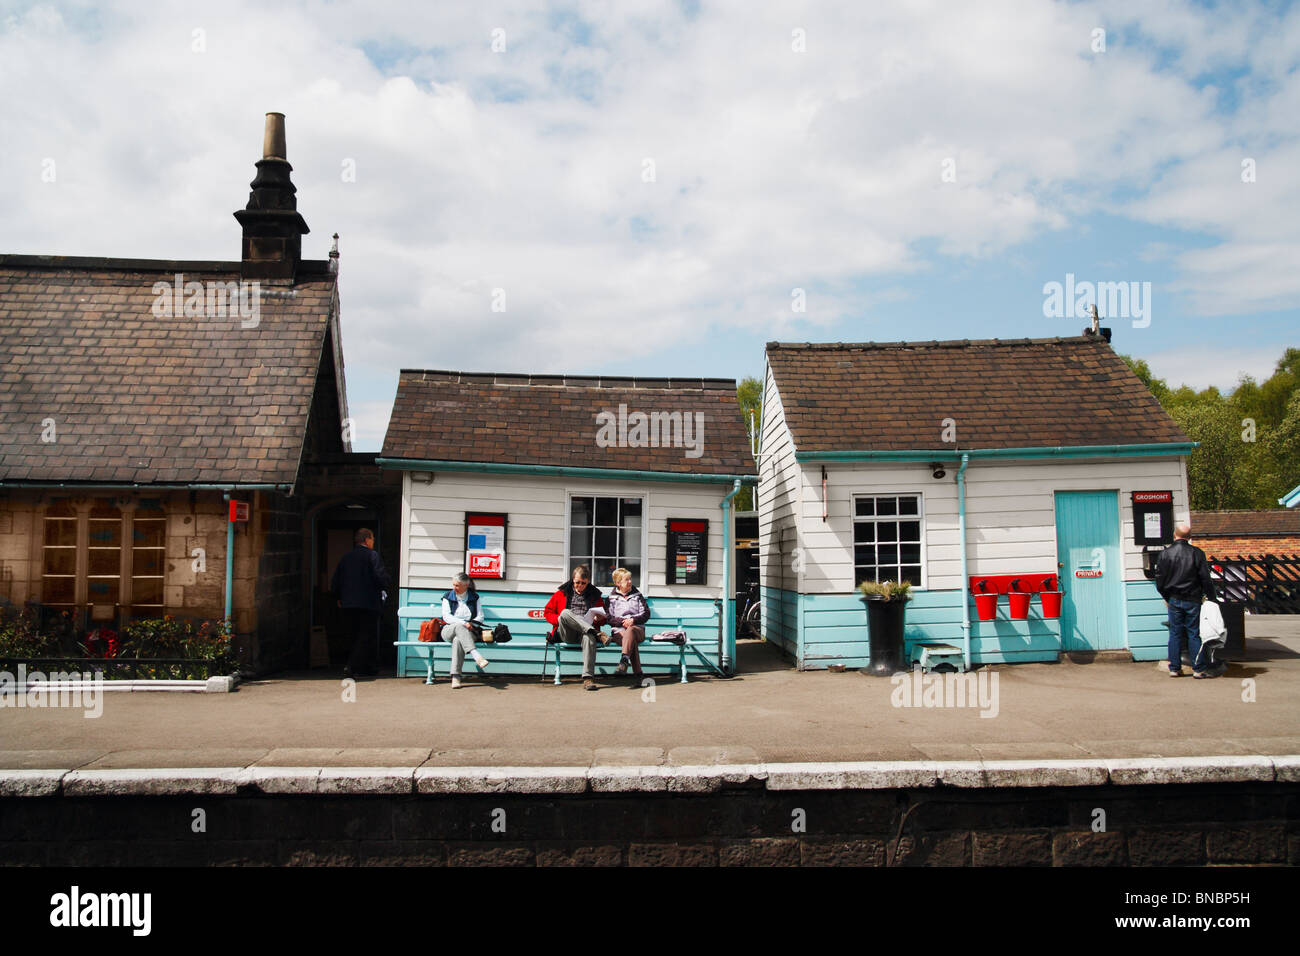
x=455, y=683
x=482, y=662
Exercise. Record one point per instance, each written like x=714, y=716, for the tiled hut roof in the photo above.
x=142, y=398
x=1241, y=524
x=1025, y=393
x=551, y=420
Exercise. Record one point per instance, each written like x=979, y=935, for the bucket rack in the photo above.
x=1019, y=589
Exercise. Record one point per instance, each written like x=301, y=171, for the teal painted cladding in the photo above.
x=1148, y=638
x=824, y=629
x=512, y=659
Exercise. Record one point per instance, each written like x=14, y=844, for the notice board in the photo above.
x=485, y=545
x=688, y=551
x=1153, y=517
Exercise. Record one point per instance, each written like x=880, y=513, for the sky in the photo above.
x=660, y=188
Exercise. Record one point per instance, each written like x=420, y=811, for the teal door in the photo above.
x=1087, y=552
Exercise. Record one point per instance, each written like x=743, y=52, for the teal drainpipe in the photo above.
x=965, y=578
x=230, y=558
x=727, y=652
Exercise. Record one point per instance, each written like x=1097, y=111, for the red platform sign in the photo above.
x=238, y=510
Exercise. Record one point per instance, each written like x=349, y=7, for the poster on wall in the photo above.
x=688, y=551
x=1153, y=517
x=485, y=545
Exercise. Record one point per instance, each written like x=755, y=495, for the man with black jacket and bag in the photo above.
x=1183, y=579
x=359, y=584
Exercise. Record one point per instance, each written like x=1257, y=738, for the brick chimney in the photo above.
x=273, y=229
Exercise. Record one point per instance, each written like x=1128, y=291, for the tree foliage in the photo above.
x=749, y=393
x=1249, y=452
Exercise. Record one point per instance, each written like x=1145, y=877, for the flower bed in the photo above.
x=165, y=648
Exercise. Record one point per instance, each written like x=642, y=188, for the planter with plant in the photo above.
x=886, y=601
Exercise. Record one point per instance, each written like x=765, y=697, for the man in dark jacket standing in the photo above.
x=358, y=585
x=1183, y=578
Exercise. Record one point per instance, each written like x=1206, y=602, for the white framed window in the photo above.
x=888, y=539
x=607, y=532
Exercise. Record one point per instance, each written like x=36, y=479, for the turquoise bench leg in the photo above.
x=428, y=679
x=557, y=665
x=681, y=661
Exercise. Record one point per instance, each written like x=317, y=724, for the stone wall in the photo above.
x=1167, y=825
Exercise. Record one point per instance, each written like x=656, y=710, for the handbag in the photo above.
x=500, y=634
x=431, y=630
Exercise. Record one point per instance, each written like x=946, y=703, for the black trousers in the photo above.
x=363, y=625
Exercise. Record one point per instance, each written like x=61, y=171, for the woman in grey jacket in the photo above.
x=628, y=613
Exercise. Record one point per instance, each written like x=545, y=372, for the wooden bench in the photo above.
x=664, y=616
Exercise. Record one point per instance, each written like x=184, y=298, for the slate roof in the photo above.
x=551, y=420
x=1025, y=393
x=141, y=398
x=1244, y=524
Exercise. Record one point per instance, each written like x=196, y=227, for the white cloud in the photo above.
x=773, y=169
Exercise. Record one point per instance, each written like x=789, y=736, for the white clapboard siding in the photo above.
x=1010, y=509
x=433, y=527
x=777, y=495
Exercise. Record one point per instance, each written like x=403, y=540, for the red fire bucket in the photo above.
x=1019, y=605
x=986, y=606
x=1051, y=603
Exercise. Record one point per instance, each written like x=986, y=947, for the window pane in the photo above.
x=148, y=532
x=580, y=511
x=865, y=573
x=105, y=560
x=606, y=541
x=864, y=531
x=630, y=543
x=631, y=508
x=61, y=531
x=887, y=554
x=577, y=559
x=580, y=541
x=105, y=533
x=864, y=554
x=60, y=560
x=602, y=575
x=865, y=507
x=887, y=530
x=147, y=590
x=909, y=531
x=102, y=590
x=634, y=567
x=886, y=506
x=58, y=590
x=147, y=561
x=607, y=511
x=912, y=573
x=910, y=553
x=908, y=505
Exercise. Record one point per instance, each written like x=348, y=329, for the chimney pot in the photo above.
x=273, y=140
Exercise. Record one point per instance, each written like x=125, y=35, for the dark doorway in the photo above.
x=332, y=534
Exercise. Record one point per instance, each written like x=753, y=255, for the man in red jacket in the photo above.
x=575, y=612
